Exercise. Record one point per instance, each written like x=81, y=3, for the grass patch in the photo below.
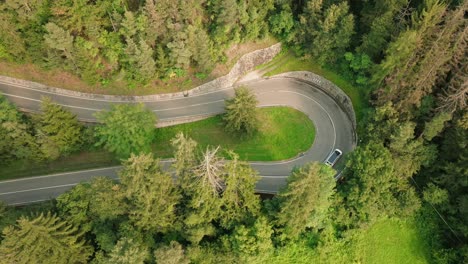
x=392, y=241
x=293, y=63
x=77, y=161
x=283, y=133
x=387, y=241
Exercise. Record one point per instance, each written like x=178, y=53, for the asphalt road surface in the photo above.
x=333, y=130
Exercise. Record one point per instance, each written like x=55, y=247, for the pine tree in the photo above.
x=185, y=155
x=126, y=129
x=253, y=243
x=44, y=239
x=151, y=192
x=241, y=114
x=382, y=18
x=59, y=131
x=179, y=49
x=306, y=200
x=174, y=253
x=239, y=201
x=333, y=34
x=128, y=251
x=60, y=39
x=372, y=189
x=203, y=205
x=436, y=125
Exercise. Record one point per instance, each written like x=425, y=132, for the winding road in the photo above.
x=333, y=130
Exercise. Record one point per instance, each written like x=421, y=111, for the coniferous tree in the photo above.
x=128, y=251
x=126, y=129
x=173, y=253
x=185, y=155
x=203, y=204
x=58, y=130
x=304, y=203
x=239, y=201
x=60, y=39
x=241, y=114
x=43, y=239
x=151, y=193
x=333, y=34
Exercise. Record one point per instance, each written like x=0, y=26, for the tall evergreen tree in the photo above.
x=128, y=251
x=126, y=129
x=306, y=200
x=185, y=155
x=239, y=201
x=58, y=130
x=174, y=253
x=151, y=193
x=203, y=205
x=372, y=189
x=241, y=114
x=43, y=239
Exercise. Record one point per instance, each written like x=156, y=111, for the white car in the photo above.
x=333, y=157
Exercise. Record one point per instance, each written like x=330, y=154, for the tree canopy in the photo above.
x=126, y=129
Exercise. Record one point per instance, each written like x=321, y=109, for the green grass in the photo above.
x=289, y=62
x=77, y=161
x=392, y=241
x=283, y=133
x=388, y=241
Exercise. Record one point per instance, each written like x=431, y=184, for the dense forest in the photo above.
x=408, y=58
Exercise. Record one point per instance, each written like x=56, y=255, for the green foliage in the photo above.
x=17, y=140
x=241, y=114
x=151, y=193
x=128, y=251
x=185, y=155
x=58, y=130
x=45, y=238
x=282, y=23
x=372, y=189
x=59, y=39
x=90, y=204
x=253, y=243
x=384, y=21
x=126, y=129
x=239, y=201
x=326, y=32
x=304, y=203
x=360, y=65
x=140, y=64
x=171, y=254
x=203, y=205
x=436, y=125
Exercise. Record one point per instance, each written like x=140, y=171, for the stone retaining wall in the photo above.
x=326, y=86
x=245, y=64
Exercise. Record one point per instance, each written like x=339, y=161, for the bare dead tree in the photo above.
x=210, y=169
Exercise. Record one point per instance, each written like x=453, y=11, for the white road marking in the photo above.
x=35, y=100
x=29, y=202
x=164, y=161
x=60, y=174
x=115, y=101
x=42, y=188
x=188, y=116
x=328, y=114
x=94, y=109
x=187, y=106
